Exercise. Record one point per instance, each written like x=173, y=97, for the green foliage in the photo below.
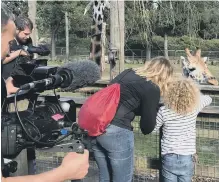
x=140, y=18
x=18, y=7
x=50, y=16
x=145, y=22
x=174, y=18
x=177, y=17
x=180, y=43
x=210, y=24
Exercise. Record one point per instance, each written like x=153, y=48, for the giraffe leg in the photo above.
x=92, y=49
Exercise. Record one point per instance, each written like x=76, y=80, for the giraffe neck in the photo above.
x=97, y=27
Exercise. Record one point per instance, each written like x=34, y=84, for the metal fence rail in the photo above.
x=147, y=154
x=134, y=55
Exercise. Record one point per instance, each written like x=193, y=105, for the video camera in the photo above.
x=42, y=50
x=49, y=122
x=46, y=118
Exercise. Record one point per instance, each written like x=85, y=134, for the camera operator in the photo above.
x=24, y=28
x=74, y=166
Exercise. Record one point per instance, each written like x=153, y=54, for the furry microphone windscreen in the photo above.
x=84, y=73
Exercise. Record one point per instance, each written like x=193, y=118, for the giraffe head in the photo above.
x=195, y=66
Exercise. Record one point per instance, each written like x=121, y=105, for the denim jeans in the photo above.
x=177, y=168
x=114, y=153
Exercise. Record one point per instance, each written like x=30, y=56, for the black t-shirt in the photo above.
x=13, y=67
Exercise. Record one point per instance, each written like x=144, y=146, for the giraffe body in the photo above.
x=195, y=67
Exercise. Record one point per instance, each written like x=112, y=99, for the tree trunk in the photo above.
x=117, y=24
x=165, y=46
x=32, y=15
x=121, y=19
x=148, y=52
x=67, y=35
x=103, y=45
x=53, y=44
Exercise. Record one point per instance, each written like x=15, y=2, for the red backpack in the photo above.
x=99, y=110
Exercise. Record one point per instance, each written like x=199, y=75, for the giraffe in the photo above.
x=195, y=66
x=97, y=39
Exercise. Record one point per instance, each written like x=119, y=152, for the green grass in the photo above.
x=214, y=70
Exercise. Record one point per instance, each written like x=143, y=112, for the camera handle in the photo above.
x=66, y=146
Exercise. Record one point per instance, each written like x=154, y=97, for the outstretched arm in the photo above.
x=159, y=120
x=205, y=100
x=149, y=107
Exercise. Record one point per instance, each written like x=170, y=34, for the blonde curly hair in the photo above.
x=182, y=96
x=158, y=70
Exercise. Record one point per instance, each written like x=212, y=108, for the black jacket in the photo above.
x=137, y=97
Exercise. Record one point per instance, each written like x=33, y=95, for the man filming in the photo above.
x=74, y=166
x=24, y=27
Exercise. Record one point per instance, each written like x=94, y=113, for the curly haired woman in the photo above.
x=182, y=103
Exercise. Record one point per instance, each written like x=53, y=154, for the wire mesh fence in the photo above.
x=147, y=152
x=208, y=146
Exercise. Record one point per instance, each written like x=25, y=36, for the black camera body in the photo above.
x=46, y=123
x=41, y=50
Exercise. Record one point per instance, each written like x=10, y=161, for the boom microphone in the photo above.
x=70, y=76
x=85, y=73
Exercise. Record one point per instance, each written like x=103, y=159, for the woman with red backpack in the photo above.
x=107, y=116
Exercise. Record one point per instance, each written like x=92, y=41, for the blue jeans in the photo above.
x=114, y=154
x=177, y=168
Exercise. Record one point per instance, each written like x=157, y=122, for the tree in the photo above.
x=139, y=17
x=32, y=16
x=50, y=20
x=50, y=17
x=19, y=7
x=177, y=18
x=209, y=26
